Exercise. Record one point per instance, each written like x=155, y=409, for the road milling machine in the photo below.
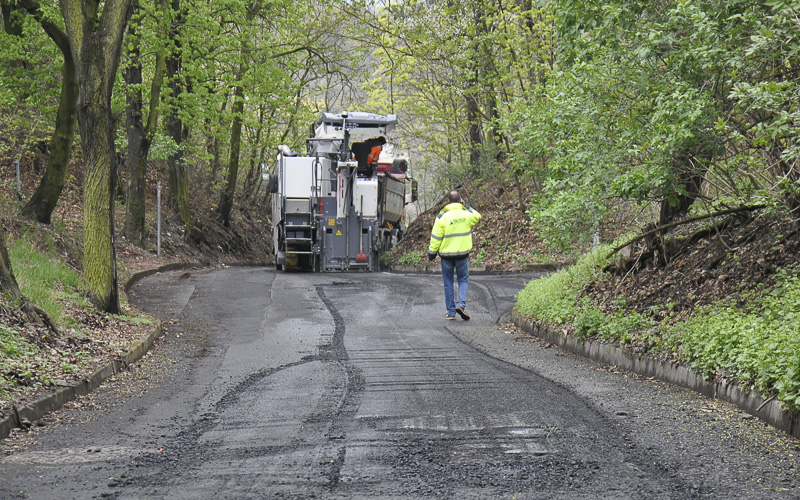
x=339, y=207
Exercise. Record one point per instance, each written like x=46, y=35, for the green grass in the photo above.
x=43, y=278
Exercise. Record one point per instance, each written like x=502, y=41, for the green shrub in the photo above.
x=759, y=344
x=554, y=299
x=589, y=321
x=410, y=258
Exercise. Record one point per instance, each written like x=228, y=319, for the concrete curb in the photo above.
x=176, y=266
x=24, y=416
x=433, y=269
x=752, y=402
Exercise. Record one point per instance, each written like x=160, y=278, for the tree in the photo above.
x=8, y=283
x=178, y=198
x=226, y=200
x=659, y=106
x=95, y=36
x=41, y=205
x=140, y=133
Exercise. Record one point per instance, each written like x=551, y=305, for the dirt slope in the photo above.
x=504, y=240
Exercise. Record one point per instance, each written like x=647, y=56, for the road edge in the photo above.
x=24, y=416
x=768, y=410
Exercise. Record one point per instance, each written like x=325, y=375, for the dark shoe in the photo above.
x=461, y=312
x=449, y=316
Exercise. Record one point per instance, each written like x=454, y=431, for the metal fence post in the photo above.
x=158, y=223
x=19, y=182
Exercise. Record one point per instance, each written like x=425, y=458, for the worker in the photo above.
x=366, y=154
x=375, y=153
x=451, y=239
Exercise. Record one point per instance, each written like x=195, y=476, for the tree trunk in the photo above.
x=140, y=135
x=138, y=145
x=178, y=179
x=10, y=25
x=474, y=132
x=226, y=201
x=690, y=183
x=41, y=205
x=216, y=163
x=96, y=42
x=8, y=283
x=472, y=95
x=254, y=173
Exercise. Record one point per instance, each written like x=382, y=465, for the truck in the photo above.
x=339, y=206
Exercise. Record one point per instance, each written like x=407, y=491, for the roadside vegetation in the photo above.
x=749, y=336
x=34, y=357
x=682, y=125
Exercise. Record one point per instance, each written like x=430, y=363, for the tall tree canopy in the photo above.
x=661, y=108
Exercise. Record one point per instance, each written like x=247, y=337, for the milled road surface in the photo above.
x=290, y=385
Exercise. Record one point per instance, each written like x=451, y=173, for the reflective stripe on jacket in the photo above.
x=451, y=236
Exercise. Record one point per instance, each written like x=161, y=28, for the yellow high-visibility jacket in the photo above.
x=451, y=236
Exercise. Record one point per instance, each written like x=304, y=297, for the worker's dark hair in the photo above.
x=454, y=196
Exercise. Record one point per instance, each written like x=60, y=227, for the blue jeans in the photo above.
x=460, y=268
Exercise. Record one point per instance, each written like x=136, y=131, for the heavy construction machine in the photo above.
x=339, y=207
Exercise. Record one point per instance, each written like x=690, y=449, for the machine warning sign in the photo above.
x=331, y=222
x=338, y=232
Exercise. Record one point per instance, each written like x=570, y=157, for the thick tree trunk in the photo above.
x=8, y=283
x=99, y=268
x=95, y=43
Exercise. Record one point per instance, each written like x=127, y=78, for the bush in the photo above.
x=410, y=258
x=759, y=344
x=554, y=299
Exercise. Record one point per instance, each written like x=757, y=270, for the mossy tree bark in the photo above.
x=95, y=38
x=8, y=283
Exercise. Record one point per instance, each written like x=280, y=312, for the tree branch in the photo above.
x=685, y=221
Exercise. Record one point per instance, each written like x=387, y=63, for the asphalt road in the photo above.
x=292, y=385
